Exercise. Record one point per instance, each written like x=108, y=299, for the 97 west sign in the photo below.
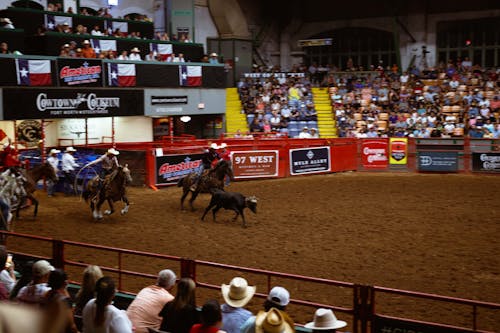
x=71, y=103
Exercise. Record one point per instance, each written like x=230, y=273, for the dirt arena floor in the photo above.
x=427, y=233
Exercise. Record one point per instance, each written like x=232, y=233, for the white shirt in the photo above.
x=68, y=162
x=304, y=135
x=54, y=162
x=7, y=280
x=115, y=320
x=135, y=56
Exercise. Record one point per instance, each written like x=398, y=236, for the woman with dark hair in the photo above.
x=99, y=315
x=180, y=314
x=26, y=277
x=57, y=305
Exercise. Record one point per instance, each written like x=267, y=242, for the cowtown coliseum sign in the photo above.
x=71, y=103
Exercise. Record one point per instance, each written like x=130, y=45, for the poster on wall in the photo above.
x=309, y=160
x=438, y=161
x=486, y=162
x=29, y=132
x=374, y=153
x=79, y=72
x=398, y=151
x=171, y=168
x=255, y=164
x=34, y=103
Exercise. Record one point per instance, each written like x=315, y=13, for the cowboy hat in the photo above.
x=214, y=146
x=54, y=151
x=70, y=149
x=237, y=293
x=223, y=145
x=135, y=49
x=324, y=319
x=273, y=321
x=213, y=54
x=7, y=20
x=113, y=151
x=86, y=41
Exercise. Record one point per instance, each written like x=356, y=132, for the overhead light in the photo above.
x=185, y=119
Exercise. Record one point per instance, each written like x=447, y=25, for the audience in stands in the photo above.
x=180, y=314
x=135, y=54
x=4, y=48
x=87, y=50
x=91, y=275
x=100, y=315
x=57, y=304
x=277, y=299
x=273, y=321
x=7, y=274
x=26, y=273
x=34, y=292
x=236, y=294
x=144, y=310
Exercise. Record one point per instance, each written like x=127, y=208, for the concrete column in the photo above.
x=285, y=49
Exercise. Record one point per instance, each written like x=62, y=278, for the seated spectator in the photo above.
x=180, y=314
x=181, y=58
x=135, y=54
x=151, y=56
x=213, y=59
x=273, y=321
x=325, y=322
x=314, y=133
x=172, y=58
x=100, y=315
x=305, y=133
x=91, y=274
x=65, y=28
x=84, y=12
x=65, y=51
x=144, y=310
x=6, y=23
x=57, y=304
x=275, y=121
x=26, y=277
x=78, y=53
x=211, y=319
x=236, y=294
x=123, y=55
x=88, y=51
x=106, y=13
x=7, y=274
x=96, y=31
x=33, y=292
x=70, y=10
x=4, y=48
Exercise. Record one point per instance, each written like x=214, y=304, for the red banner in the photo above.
x=374, y=153
x=255, y=164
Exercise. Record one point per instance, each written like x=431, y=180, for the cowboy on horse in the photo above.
x=208, y=160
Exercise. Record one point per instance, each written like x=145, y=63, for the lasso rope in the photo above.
x=75, y=185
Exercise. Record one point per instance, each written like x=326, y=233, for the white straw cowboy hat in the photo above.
x=135, y=49
x=273, y=321
x=70, y=149
x=223, y=145
x=324, y=319
x=54, y=151
x=214, y=146
x=237, y=293
x=113, y=151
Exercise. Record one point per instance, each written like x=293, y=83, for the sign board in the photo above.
x=79, y=72
x=32, y=103
x=486, y=162
x=275, y=75
x=398, y=151
x=438, y=161
x=374, y=153
x=255, y=164
x=315, y=42
x=171, y=168
x=166, y=100
x=309, y=160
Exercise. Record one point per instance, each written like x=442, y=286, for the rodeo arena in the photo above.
x=237, y=166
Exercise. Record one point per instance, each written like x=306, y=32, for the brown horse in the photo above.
x=111, y=189
x=210, y=179
x=25, y=185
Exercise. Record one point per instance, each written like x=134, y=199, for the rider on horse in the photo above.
x=10, y=157
x=109, y=162
x=209, y=158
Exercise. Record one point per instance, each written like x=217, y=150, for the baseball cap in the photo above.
x=41, y=268
x=279, y=295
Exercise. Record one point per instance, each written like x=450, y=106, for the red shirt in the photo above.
x=225, y=155
x=10, y=158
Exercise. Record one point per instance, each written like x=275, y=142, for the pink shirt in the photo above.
x=144, y=309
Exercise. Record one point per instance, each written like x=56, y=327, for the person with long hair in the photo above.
x=26, y=277
x=58, y=305
x=91, y=274
x=180, y=314
x=100, y=315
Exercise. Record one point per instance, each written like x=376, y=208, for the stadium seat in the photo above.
x=312, y=123
x=293, y=125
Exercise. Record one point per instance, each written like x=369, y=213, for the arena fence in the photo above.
x=368, y=307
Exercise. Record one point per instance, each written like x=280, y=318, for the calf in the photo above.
x=231, y=200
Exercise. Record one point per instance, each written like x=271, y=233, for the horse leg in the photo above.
x=125, y=209
x=111, y=209
x=34, y=202
x=184, y=195
x=193, y=196
x=97, y=210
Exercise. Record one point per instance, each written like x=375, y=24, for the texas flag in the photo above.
x=190, y=76
x=52, y=21
x=163, y=50
x=121, y=75
x=103, y=45
x=33, y=72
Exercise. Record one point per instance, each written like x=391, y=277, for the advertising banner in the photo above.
x=309, y=160
x=79, y=72
x=374, y=153
x=71, y=103
x=486, y=162
x=398, y=151
x=166, y=100
x=171, y=168
x=438, y=161
x=255, y=164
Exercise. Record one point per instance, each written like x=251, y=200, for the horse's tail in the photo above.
x=180, y=183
